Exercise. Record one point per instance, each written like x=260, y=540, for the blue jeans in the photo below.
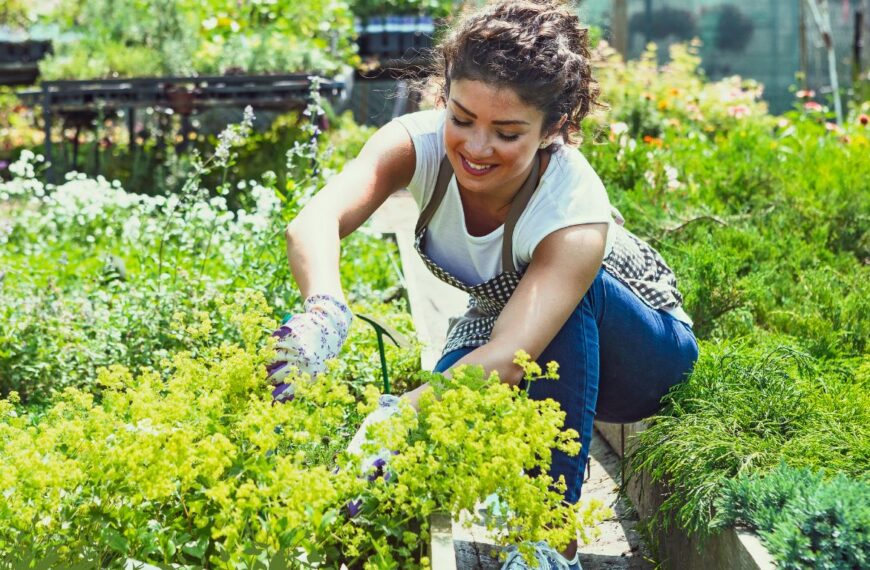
x=617, y=358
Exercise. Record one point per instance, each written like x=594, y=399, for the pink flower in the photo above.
x=863, y=119
x=738, y=111
x=805, y=93
x=618, y=128
x=812, y=106
x=833, y=128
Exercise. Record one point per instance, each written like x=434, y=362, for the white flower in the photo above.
x=233, y=136
x=132, y=229
x=618, y=128
x=673, y=179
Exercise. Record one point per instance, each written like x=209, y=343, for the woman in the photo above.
x=514, y=215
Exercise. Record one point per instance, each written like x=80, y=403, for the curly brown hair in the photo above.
x=537, y=48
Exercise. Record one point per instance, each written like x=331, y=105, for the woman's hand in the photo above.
x=374, y=465
x=307, y=340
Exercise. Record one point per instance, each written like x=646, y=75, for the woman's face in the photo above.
x=491, y=138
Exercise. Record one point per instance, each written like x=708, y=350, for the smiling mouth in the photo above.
x=474, y=168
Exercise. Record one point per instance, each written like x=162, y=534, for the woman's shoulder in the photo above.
x=570, y=173
x=422, y=123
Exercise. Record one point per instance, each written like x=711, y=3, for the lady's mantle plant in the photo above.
x=202, y=470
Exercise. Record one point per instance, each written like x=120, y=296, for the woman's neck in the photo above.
x=486, y=212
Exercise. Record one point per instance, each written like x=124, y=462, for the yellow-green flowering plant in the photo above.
x=194, y=465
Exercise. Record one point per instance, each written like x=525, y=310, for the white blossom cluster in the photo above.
x=232, y=136
x=95, y=208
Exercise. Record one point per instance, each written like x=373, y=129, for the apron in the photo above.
x=632, y=261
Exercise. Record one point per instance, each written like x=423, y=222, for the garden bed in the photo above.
x=731, y=549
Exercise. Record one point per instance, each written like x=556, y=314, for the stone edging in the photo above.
x=732, y=549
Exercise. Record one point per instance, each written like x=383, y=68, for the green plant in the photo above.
x=805, y=518
x=197, y=466
x=170, y=37
x=745, y=408
x=95, y=275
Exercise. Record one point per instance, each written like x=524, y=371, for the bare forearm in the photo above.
x=495, y=357
x=313, y=251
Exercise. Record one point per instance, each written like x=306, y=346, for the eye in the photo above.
x=459, y=123
x=508, y=138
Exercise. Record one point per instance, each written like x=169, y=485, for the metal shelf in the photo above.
x=185, y=95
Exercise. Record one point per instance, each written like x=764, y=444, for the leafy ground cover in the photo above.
x=766, y=221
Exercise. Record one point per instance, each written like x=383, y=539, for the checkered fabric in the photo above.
x=640, y=267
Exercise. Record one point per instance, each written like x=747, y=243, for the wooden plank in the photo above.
x=442, y=555
x=731, y=549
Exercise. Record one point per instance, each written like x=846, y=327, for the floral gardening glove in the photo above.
x=307, y=340
x=373, y=466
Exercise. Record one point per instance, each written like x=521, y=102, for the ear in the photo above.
x=554, y=132
x=559, y=125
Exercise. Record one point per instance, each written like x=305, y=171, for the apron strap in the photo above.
x=445, y=171
x=520, y=201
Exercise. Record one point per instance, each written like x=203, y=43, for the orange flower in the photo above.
x=654, y=141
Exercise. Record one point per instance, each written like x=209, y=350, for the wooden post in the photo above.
x=822, y=17
x=802, y=43
x=442, y=555
x=47, y=118
x=619, y=27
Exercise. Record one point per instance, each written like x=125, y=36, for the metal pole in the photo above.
x=857, y=45
x=832, y=62
x=647, y=26
x=822, y=18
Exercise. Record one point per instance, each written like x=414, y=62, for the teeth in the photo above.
x=476, y=166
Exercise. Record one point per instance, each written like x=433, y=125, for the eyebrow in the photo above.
x=473, y=116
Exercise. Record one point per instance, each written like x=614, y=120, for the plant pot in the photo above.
x=181, y=99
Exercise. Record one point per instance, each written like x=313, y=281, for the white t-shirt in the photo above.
x=569, y=193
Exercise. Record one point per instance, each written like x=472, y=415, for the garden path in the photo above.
x=618, y=545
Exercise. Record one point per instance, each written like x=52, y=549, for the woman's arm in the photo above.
x=385, y=164
x=563, y=267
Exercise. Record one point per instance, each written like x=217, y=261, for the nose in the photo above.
x=477, y=145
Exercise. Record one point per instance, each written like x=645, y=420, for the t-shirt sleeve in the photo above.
x=572, y=195
x=427, y=133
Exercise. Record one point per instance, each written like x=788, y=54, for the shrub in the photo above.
x=806, y=518
x=202, y=469
x=747, y=406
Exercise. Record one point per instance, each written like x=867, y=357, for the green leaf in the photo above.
x=115, y=540
x=196, y=548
